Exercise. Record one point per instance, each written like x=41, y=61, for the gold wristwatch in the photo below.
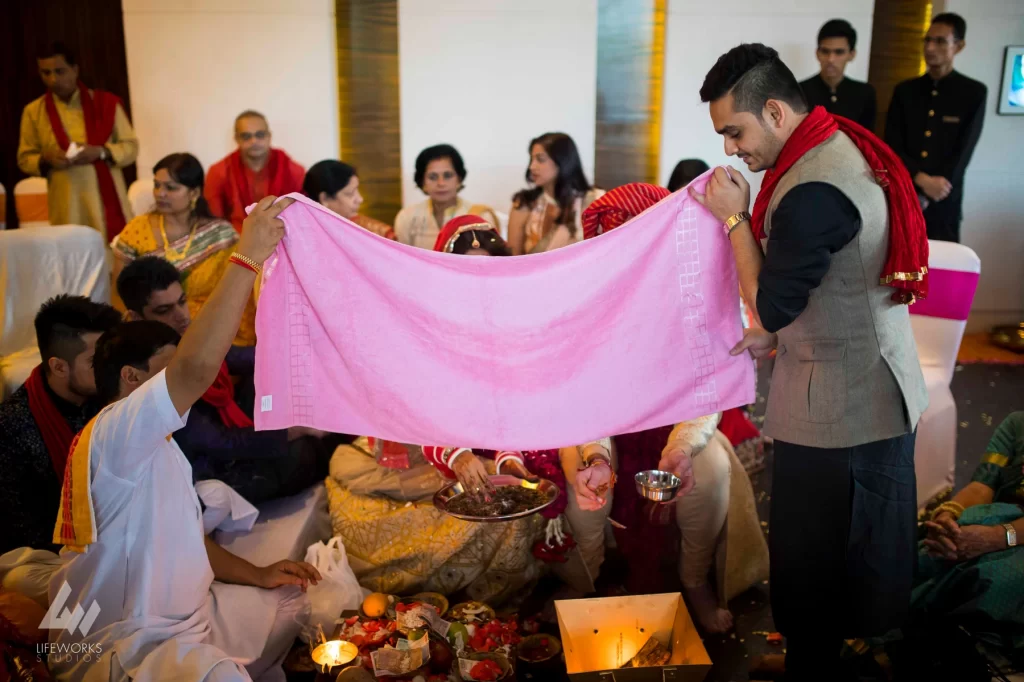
x=735, y=219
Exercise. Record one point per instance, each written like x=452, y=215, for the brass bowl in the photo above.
x=658, y=486
x=435, y=599
x=458, y=613
x=507, y=669
x=550, y=650
x=1010, y=337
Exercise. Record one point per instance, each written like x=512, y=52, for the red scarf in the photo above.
x=278, y=176
x=98, y=110
x=56, y=432
x=222, y=396
x=619, y=205
x=906, y=267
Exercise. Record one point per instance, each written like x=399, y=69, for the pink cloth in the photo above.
x=629, y=331
x=950, y=294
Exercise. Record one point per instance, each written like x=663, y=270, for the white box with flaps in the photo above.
x=599, y=636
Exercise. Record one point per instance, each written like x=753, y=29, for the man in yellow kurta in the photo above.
x=79, y=140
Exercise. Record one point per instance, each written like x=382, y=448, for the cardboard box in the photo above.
x=600, y=635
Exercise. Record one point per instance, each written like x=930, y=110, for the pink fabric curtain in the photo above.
x=629, y=331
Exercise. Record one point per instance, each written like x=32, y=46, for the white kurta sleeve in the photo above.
x=696, y=433
x=129, y=432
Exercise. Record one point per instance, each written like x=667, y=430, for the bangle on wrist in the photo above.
x=245, y=262
x=955, y=509
x=450, y=457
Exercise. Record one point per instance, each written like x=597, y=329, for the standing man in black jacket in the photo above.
x=934, y=124
x=855, y=100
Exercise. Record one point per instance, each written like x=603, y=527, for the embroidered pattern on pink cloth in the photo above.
x=625, y=332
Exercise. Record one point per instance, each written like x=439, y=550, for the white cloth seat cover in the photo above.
x=36, y=264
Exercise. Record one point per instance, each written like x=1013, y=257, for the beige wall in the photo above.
x=193, y=66
x=490, y=75
x=994, y=203
x=698, y=33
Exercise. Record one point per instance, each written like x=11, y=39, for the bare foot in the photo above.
x=712, y=618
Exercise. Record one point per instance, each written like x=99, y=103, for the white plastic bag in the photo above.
x=339, y=590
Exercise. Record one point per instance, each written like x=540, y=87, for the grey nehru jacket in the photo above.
x=847, y=371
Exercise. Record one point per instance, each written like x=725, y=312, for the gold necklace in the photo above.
x=173, y=255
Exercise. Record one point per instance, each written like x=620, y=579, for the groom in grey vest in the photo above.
x=847, y=389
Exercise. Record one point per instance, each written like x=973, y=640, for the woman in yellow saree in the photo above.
x=182, y=231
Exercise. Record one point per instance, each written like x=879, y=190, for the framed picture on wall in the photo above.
x=1011, y=95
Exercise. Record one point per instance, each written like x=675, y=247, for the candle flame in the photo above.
x=334, y=652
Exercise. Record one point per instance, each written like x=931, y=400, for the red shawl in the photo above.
x=619, y=205
x=278, y=177
x=222, y=396
x=98, y=109
x=56, y=432
x=906, y=267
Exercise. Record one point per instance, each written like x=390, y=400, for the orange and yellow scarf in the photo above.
x=76, y=521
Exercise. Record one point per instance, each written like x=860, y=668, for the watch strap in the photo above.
x=735, y=219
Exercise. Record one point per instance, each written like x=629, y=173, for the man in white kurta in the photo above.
x=148, y=567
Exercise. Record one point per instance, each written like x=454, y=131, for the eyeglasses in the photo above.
x=259, y=135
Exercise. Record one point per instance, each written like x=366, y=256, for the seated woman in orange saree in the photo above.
x=182, y=231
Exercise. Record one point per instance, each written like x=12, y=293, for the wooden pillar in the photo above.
x=897, y=51
x=368, y=101
x=630, y=65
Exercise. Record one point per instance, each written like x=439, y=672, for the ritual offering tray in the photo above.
x=418, y=639
x=512, y=498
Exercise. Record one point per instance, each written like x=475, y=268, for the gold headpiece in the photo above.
x=473, y=227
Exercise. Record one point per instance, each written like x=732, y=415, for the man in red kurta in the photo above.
x=251, y=172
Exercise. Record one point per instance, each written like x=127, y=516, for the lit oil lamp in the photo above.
x=333, y=653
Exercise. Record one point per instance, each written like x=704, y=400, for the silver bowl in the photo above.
x=659, y=486
x=445, y=494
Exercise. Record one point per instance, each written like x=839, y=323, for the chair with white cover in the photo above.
x=37, y=263
x=140, y=196
x=938, y=323
x=31, y=202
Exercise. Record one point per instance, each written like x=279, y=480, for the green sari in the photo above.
x=988, y=589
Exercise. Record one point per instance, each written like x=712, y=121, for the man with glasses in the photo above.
x=934, y=123
x=251, y=172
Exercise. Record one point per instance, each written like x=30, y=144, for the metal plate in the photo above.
x=447, y=493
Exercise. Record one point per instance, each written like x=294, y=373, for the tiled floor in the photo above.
x=984, y=394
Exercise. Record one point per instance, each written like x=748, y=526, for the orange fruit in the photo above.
x=375, y=605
